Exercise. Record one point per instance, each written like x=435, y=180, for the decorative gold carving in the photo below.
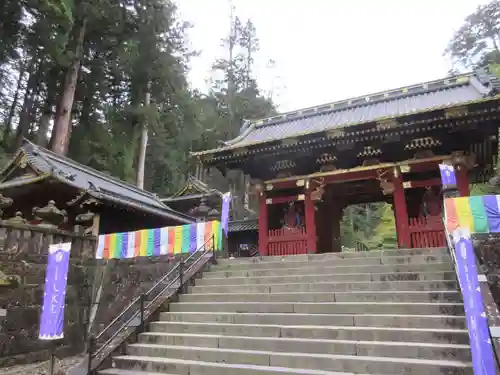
x=269, y=200
x=460, y=159
x=289, y=141
x=300, y=183
x=387, y=187
x=319, y=191
x=301, y=197
x=456, y=112
x=50, y=216
x=422, y=142
x=283, y=164
x=395, y=172
x=256, y=186
x=370, y=151
x=326, y=158
x=407, y=184
x=404, y=168
x=335, y=133
x=387, y=124
x=269, y=187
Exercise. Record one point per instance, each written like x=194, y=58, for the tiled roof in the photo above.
x=243, y=225
x=423, y=97
x=192, y=189
x=98, y=184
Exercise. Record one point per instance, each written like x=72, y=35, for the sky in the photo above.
x=328, y=50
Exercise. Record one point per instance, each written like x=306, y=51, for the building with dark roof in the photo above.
x=36, y=176
x=307, y=165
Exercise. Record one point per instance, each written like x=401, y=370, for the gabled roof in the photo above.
x=243, y=225
x=192, y=189
x=428, y=96
x=97, y=184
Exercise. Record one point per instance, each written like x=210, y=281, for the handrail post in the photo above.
x=141, y=301
x=181, y=275
x=214, y=251
x=90, y=347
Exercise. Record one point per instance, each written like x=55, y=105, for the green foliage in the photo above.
x=477, y=41
x=125, y=45
x=371, y=224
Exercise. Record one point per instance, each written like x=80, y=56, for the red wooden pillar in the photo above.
x=462, y=181
x=310, y=220
x=263, y=225
x=401, y=211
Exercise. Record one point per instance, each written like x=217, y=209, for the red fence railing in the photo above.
x=287, y=241
x=427, y=232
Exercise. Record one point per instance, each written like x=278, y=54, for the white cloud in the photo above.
x=328, y=50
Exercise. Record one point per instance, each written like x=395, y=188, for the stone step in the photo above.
x=342, y=255
x=288, y=363
x=402, y=321
x=356, y=333
x=327, y=287
x=359, y=269
x=315, y=278
x=119, y=371
x=322, y=308
x=282, y=344
x=333, y=262
x=358, y=296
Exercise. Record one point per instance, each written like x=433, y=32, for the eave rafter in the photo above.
x=362, y=131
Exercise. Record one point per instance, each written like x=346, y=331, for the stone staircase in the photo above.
x=377, y=312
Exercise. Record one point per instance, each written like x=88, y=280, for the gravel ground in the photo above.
x=42, y=368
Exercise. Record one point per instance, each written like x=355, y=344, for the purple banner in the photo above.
x=448, y=176
x=477, y=320
x=224, y=219
x=56, y=276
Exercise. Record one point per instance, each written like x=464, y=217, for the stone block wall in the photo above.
x=23, y=257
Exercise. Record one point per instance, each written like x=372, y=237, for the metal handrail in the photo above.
x=143, y=297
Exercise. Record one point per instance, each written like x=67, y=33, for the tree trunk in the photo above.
x=27, y=110
x=12, y=111
x=141, y=161
x=62, y=120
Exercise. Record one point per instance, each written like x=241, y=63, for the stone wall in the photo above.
x=23, y=258
x=487, y=248
x=125, y=280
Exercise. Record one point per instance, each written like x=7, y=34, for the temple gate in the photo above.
x=306, y=166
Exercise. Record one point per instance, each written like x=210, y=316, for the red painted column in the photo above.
x=263, y=225
x=310, y=221
x=462, y=181
x=401, y=211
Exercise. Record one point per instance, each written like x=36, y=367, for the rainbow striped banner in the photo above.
x=477, y=214
x=181, y=239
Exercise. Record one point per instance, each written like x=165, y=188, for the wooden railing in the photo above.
x=287, y=241
x=427, y=232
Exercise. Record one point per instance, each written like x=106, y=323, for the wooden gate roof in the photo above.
x=428, y=96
